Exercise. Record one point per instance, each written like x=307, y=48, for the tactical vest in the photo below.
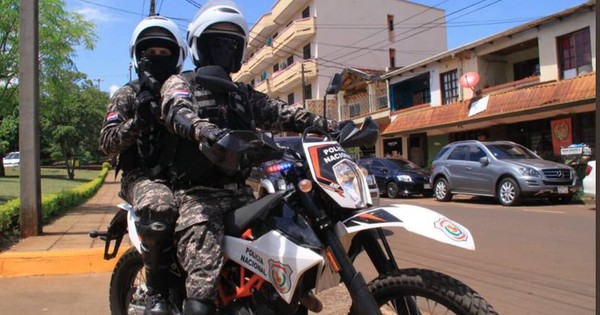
x=186, y=164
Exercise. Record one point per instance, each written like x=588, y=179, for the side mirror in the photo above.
x=484, y=161
x=335, y=84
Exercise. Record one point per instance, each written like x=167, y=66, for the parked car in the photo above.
x=263, y=182
x=589, y=181
x=12, y=159
x=398, y=177
x=501, y=169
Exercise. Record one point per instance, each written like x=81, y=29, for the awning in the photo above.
x=521, y=101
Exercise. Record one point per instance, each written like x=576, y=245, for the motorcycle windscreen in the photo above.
x=323, y=158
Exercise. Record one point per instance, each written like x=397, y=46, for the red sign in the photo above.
x=562, y=135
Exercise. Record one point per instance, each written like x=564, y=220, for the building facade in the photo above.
x=537, y=87
x=295, y=49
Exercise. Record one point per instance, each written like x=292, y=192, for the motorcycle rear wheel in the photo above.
x=127, y=294
x=433, y=292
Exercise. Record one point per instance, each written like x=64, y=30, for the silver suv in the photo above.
x=501, y=169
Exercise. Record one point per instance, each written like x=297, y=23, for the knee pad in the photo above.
x=155, y=234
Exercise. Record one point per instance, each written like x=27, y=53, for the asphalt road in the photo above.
x=533, y=259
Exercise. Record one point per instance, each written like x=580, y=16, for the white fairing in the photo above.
x=132, y=230
x=415, y=219
x=275, y=258
x=323, y=158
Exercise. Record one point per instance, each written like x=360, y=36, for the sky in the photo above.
x=108, y=63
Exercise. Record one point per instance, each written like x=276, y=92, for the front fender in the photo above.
x=415, y=219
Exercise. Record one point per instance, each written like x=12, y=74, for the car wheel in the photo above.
x=441, y=190
x=509, y=193
x=392, y=190
x=562, y=200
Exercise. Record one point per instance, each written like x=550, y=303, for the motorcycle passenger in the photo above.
x=131, y=131
x=200, y=111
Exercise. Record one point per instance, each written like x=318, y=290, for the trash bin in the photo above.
x=577, y=155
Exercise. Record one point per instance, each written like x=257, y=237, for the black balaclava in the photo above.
x=161, y=67
x=220, y=50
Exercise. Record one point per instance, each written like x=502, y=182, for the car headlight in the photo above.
x=371, y=180
x=349, y=177
x=404, y=178
x=528, y=171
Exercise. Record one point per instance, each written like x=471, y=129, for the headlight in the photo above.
x=404, y=178
x=371, y=180
x=528, y=171
x=349, y=177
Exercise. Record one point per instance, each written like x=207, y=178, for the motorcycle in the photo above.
x=282, y=249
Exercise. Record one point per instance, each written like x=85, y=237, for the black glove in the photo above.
x=143, y=110
x=213, y=134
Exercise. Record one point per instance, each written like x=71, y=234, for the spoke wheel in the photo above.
x=127, y=293
x=509, y=193
x=441, y=190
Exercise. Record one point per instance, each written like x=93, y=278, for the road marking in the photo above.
x=546, y=211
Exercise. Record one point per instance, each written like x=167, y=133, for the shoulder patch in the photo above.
x=111, y=116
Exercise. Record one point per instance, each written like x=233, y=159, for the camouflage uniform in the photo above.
x=201, y=207
x=135, y=146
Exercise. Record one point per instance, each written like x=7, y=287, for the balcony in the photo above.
x=263, y=28
x=294, y=35
x=287, y=80
x=263, y=87
x=260, y=60
x=284, y=10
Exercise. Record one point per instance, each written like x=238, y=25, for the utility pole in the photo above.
x=98, y=82
x=152, y=7
x=31, y=220
x=130, y=66
x=303, y=87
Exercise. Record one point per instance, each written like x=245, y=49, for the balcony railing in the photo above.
x=261, y=59
x=294, y=35
x=284, y=10
x=288, y=79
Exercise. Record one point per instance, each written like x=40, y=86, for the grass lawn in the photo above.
x=53, y=181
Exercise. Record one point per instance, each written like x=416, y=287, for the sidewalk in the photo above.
x=65, y=246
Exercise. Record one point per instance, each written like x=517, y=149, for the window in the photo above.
x=290, y=60
x=382, y=102
x=390, y=22
x=275, y=67
x=306, y=52
x=449, y=87
x=526, y=68
x=252, y=82
x=263, y=76
x=306, y=12
x=308, y=92
x=392, y=58
x=575, y=53
x=290, y=98
x=459, y=153
x=475, y=153
x=354, y=110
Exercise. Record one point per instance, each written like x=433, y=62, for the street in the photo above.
x=532, y=259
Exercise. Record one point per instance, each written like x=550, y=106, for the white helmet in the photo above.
x=157, y=28
x=221, y=17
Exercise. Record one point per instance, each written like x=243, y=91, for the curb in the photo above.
x=56, y=262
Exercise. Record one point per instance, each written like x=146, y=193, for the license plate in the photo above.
x=426, y=186
x=563, y=190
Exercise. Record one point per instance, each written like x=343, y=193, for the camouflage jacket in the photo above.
x=119, y=138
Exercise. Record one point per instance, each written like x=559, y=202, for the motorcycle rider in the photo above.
x=131, y=131
x=200, y=112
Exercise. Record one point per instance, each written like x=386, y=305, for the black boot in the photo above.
x=156, y=246
x=193, y=306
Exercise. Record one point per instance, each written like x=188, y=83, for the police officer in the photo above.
x=131, y=131
x=198, y=111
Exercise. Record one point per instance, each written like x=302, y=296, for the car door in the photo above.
x=480, y=175
x=381, y=173
x=456, y=165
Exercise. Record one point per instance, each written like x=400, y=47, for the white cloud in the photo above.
x=95, y=15
x=112, y=89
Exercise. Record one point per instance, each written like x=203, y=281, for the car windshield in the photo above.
x=510, y=152
x=404, y=165
x=12, y=156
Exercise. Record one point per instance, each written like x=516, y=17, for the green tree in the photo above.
x=60, y=31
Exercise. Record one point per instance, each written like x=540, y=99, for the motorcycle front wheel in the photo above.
x=430, y=291
x=127, y=294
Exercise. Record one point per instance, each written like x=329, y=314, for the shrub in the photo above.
x=52, y=205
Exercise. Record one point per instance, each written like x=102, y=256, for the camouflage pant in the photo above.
x=200, y=235
x=151, y=199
